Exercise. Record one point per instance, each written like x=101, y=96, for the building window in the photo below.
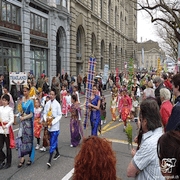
x=38, y=25
x=109, y=11
x=10, y=58
x=102, y=55
x=93, y=44
x=38, y=61
x=9, y=15
x=101, y=8
x=115, y=16
x=121, y=21
x=92, y=5
x=78, y=45
x=110, y=52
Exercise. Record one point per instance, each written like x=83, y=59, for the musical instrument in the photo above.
x=89, y=85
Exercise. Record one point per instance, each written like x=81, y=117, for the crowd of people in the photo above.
x=153, y=102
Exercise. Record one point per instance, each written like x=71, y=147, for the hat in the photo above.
x=42, y=75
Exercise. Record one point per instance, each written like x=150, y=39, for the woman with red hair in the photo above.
x=96, y=160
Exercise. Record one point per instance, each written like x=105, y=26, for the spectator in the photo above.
x=168, y=153
x=166, y=106
x=174, y=119
x=145, y=163
x=159, y=84
x=46, y=86
x=167, y=83
x=79, y=81
x=96, y=160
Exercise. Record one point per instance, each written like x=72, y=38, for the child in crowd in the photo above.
x=68, y=103
x=103, y=110
x=37, y=121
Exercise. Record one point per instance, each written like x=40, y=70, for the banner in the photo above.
x=18, y=78
x=105, y=75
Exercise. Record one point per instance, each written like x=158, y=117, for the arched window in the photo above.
x=102, y=55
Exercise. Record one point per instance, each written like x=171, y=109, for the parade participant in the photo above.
x=95, y=116
x=11, y=101
x=6, y=132
x=52, y=115
x=103, y=110
x=37, y=122
x=125, y=106
x=25, y=134
x=87, y=165
x=168, y=154
x=75, y=91
x=33, y=90
x=118, y=102
x=174, y=119
x=115, y=90
x=145, y=163
x=63, y=94
x=166, y=106
x=46, y=133
x=68, y=103
x=134, y=109
x=113, y=107
x=75, y=122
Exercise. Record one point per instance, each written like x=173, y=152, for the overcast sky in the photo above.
x=145, y=30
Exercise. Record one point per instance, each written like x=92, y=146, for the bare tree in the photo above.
x=169, y=42
x=163, y=11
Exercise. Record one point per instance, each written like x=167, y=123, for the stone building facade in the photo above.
x=148, y=53
x=106, y=29
x=34, y=36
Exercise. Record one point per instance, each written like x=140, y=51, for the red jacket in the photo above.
x=165, y=111
x=168, y=84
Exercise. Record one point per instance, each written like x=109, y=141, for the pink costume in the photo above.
x=63, y=100
x=125, y=106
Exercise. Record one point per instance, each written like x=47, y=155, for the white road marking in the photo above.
x=68, y=175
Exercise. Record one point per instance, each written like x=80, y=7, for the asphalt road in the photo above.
x=64, y=165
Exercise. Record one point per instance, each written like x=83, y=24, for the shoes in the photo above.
x=104, y=121
x=43, y=149
x=120, y=120
x=28, y=163
x=7, y=166
x=37, y=147
x=56, y=156
x=2, y=165
x=66, y=116
x=71, y=145
x=48, y=164
x=21, y=164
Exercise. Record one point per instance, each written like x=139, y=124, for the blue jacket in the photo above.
x=174, y=119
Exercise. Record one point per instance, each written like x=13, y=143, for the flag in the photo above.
x=142, y=51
